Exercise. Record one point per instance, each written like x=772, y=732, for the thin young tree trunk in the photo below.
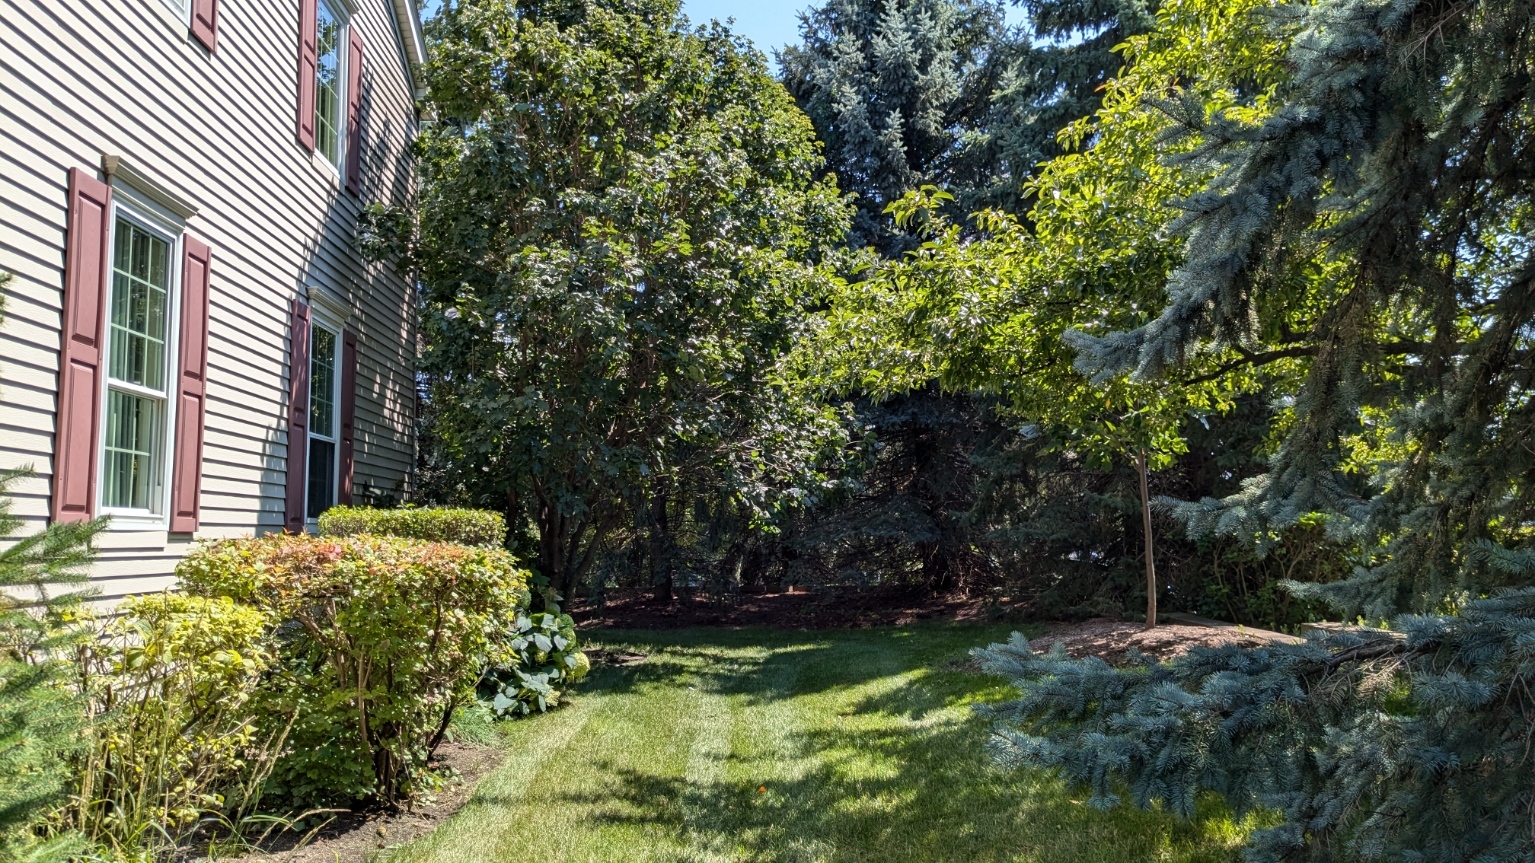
x=660, y=548
x=1151, y=567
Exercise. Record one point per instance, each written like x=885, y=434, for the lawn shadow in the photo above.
x=750, y=663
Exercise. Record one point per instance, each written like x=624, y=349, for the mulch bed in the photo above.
x=843, y=608
x=1112, y=640
x=355, y=837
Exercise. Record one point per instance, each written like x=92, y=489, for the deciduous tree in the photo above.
x=620, y=227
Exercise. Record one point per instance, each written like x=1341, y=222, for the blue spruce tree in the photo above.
x=1377, y=223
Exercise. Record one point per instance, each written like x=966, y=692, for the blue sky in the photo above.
x=770, y=24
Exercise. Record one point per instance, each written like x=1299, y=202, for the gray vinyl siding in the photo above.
x=124, y=77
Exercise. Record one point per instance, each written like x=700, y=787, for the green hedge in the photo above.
x=379, y=640
x=436, y=524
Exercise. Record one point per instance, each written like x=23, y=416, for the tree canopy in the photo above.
x=620, y=228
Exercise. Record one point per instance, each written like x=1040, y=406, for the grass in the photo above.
x=759, y=745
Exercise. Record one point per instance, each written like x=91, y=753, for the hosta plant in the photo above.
x=547, y=662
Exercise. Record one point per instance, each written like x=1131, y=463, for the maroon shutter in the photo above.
x=354, y=112
x=298, y=418
x=308, y=68
x=191, y=385
x=348, y=412
x=78, y=420
x=205, y=23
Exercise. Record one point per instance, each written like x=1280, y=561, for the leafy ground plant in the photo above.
x=174, y=736
x=546, y=660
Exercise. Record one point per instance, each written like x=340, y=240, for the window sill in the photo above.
x=327, y=168
x=121, y=522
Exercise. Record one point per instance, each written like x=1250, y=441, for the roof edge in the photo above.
x=414, y=40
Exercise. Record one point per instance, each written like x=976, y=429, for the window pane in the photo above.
x=131, y=466
x=322, y=476
x=140, y=285
x=322, y=382
x=327, y=90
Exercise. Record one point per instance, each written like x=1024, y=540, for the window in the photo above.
x=182, y=8
x=323, y=377
x=138, y=359
x=327, y=90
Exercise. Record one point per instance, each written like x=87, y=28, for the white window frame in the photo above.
x=342, y=11
x=182, y=9
x=320, y=321
x=133, y=518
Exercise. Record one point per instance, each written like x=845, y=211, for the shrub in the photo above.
x=381, y=639
x=477, y=527
x=173, y=735
x=546, y=656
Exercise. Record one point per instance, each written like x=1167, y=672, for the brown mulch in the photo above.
x=1105, y=637
x=356, y=837
x=842, y=608
x=1112, y=640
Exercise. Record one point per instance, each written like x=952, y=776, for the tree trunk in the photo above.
x=553, y=551
x=660, y=549
x=1151, y=568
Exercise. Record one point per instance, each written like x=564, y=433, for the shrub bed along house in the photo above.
x=379, y=639
x=293, y=671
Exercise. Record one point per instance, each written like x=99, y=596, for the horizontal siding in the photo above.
x=123, y=77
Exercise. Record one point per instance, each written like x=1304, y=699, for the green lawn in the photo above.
x=765, y=745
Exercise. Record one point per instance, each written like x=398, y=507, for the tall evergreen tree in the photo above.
x=1053, y=74
x=910, y=93
x=894, y=88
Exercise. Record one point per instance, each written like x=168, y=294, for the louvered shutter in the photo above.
x=298, y=418
x=308, y=68
x=78, y=418
x=205, y=23
x=348, y=412
x=191, y=385
x=354, y=112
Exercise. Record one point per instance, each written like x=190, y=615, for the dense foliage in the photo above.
x=41, y=585
x=1368, y=746
x=1325, y=206
x=619, y=230
x=1373, y=220
x=379, y=640
x=988, y=314
x=909, y=94
x=173, y=733
x=435, y=524
x=545, y=659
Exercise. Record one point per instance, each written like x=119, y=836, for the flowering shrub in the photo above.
x=467, y=526
x=380, y=640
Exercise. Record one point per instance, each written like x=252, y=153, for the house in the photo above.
x=191, y=343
